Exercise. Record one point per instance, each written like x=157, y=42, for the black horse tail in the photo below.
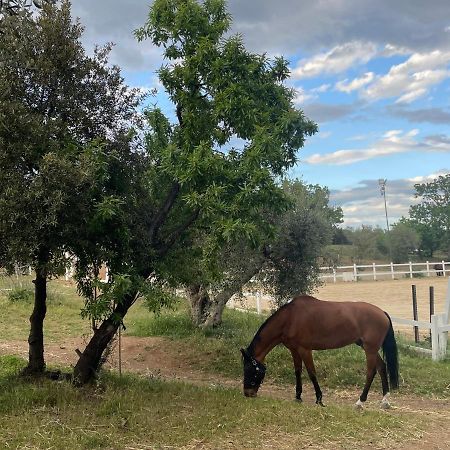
x=390, y=354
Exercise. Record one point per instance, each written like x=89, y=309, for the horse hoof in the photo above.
x=359, y=405
x=385, y=402
x=319, y=402
x=299, y=400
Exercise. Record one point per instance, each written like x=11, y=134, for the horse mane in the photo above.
x=256, y=338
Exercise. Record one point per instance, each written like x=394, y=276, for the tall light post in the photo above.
x=382, y=184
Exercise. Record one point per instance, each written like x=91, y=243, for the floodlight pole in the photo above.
x=382, y=184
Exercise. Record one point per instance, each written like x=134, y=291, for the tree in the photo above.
x=366, y=241
x=431, y=217
x=204, y=191
x=284, y=265
x=60, y=114
x=403, y=241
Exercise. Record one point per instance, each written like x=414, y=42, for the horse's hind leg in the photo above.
x=381, y=369
x=371, y=360
x=309, y=364
x=298, y=374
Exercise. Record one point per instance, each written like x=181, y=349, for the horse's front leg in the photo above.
x=298, y=374
x=307, y=358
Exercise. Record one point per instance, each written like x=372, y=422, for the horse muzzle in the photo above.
x=250, y=392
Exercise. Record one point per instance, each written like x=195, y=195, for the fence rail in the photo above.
x=359, y=271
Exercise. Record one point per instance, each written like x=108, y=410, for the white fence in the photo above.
x=439, y=326
x=382, y=271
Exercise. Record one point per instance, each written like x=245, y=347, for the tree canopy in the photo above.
x=431, y=217
x=61, y=115
x=213, y=167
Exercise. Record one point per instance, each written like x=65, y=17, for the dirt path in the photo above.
x=158, y=357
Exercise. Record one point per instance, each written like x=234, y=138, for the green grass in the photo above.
x=150, y=413
x=63, y=302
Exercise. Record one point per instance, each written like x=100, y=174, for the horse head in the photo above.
x=254, y=373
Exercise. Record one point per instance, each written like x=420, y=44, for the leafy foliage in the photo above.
x=57, y=103
x=431, y=217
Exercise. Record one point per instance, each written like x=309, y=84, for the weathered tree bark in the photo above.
x=198, y=302
x=88, y=363
x=36, y=361
x=207, y=308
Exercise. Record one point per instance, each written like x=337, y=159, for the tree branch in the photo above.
x=164, y=210
x=172, y=238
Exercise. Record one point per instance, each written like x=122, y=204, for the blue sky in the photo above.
x=375, y=76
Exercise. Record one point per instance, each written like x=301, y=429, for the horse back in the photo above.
x=317, y=325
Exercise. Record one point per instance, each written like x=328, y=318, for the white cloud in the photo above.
x=393, y=141
x=363, y=205
x=427, y=178
x=337, y=60
x=357, y=83
x=393, y=50
x=301, y=96
x=411, y=79
x=322, y=88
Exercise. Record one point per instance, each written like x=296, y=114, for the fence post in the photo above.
x=410, y=270
x=434, y=338
x=442, y=337
x=431, y=305
x=334, y=275
x=355, y=272
x=392, y=270
x=443, y=267
x=415, y=314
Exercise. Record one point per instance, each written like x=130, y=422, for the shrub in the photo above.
x=23, y=295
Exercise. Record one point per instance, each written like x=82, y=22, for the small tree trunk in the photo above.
x=214, y=317
x=199, y=303
x=207, y=310
x=86, y=368
x=36, y=362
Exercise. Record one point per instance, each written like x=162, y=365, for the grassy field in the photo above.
x=143, y=412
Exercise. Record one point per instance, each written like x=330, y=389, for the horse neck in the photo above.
x=267, y=337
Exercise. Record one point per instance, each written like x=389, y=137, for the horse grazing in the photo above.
x=307, y=324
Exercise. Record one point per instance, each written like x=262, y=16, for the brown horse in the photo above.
x=307, y=324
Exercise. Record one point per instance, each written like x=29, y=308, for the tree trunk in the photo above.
x=199, y=303
x=86, y=368
x=36, y=361
x=207, y=309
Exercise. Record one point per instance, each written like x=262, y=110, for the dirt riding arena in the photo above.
x=393, y=296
